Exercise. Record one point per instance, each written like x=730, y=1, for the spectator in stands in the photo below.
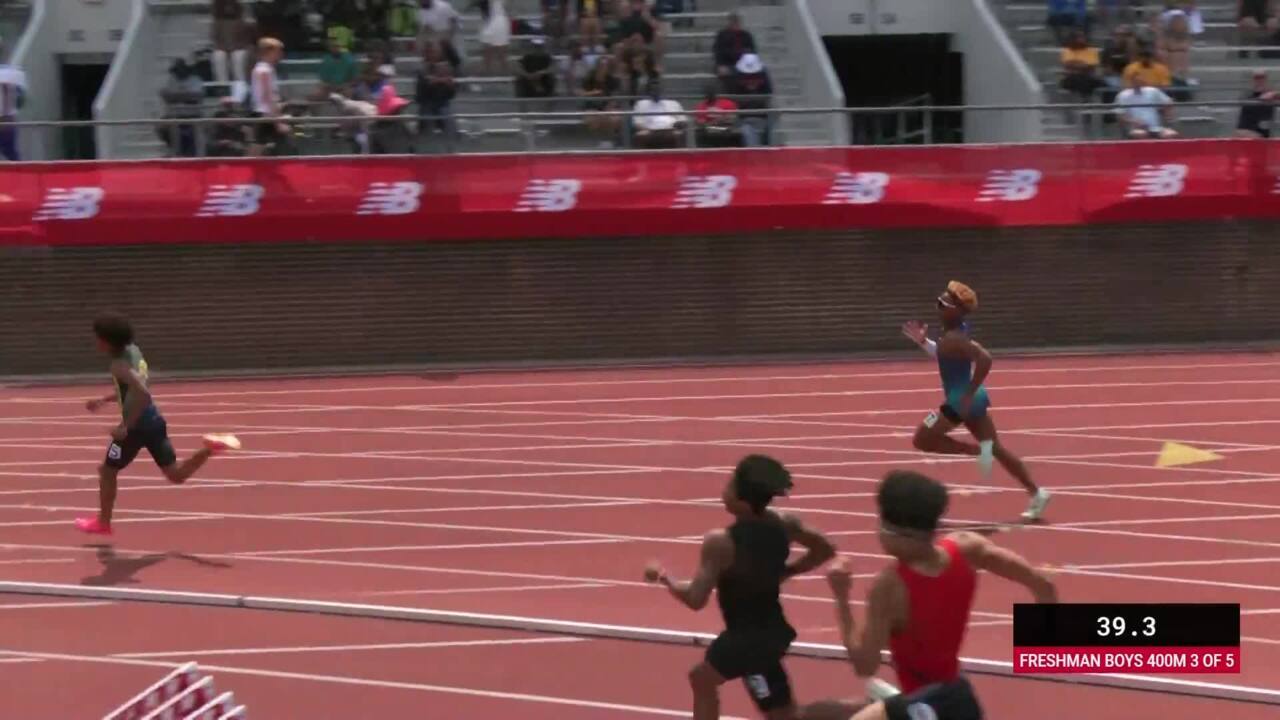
x=751, y=84
x=555, y=19
x=646, y=22
x=717, y=121
x=665, y=126
x=1257, y=21
x=599, y=88
x=1120, y=50
x=1110, y=12
x=576, y=67
x=732, y=42
x=1148, y=71
x=374, y=17
x=1174, y=49
x=437, y=20
x=590, y=24
x=230, y=53
x=435, y=92
x=1067, y=16
x=338, y=72
x=638, y=63
x=264, y=88
x=229, y=137
x=1080, y=67
x=182, y=95
x=1195, y=19
x=1258, y=114
x=13, y=95
x=1146, y=111
x=495, y=35
x=534, y=75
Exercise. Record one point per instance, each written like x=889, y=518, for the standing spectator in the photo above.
x=555, y=19
x=495, y=35
x=1195, y=19
x=645, y=22
x=338, y=72
x=1080, y=67
x=1145, y=110
x=717, y=121
x=732, y=42
x=1066, y=16
x=1147, y=71
x=230, y=56
x=534, y=75
x=1119, y=50
x=665, y=127
x=1257, y=21
x=13, y=95
x=264, y=91
x=229, y=138
x=590, y=27
x=750, y=81
x=637, y=63
x=182, y=97
x=437, y=20
x=1258, y=114
x=599, y=88
x=1174, y=47
x=374, y=18
x=575, y=67
x=436, y=89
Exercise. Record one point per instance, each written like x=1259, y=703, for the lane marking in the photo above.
x=487, y=590
x=51, y=605
x=349, y=648
x=460, y=546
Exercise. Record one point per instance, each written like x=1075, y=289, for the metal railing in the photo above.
x=552, y=132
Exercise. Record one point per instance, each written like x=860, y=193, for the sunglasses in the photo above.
x=945, y=302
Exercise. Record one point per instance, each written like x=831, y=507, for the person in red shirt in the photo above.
x=918, y=607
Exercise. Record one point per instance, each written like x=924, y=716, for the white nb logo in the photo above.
x=231, y=201
x=78, y=203
x=1276, y=190
x=1011, y=185
x=398, y=198
x=1157, y=181
x=550, y=195
x=705, y=191
x=864, y=188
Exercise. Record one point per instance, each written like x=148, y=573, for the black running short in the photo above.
x=151, y=432
x=756, y=657
x=953, y=700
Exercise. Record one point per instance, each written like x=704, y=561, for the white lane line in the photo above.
x=349, y=648
x=1178, y=563
x=1173, y=580
x=362, y=682
x=485, y=590
x=398, y=548
x=36, y=561
x=50, y=605
x=619, y=502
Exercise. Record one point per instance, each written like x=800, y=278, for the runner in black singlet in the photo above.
x=746, y=564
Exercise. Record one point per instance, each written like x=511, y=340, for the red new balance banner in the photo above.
x=523, y=196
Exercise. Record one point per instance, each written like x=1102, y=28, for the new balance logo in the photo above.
x=1157, y=181
x=550, y=195
x=1276, y=190
x=1010, y=185
x=857, y=188
x=231, y=201
x=77, y=203
x=705, y=191
x=397, y=198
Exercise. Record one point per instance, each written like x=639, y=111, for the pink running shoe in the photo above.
x=221, y=443
x=92, y=526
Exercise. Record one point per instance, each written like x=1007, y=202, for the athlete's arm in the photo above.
x=717, y=553
x=139, y=396
x=96, y=403
x=818, y=549
x=865, y=650
x=986, y=555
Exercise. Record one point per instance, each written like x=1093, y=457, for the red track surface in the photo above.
x=543, y=494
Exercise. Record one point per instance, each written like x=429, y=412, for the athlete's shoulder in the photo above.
x=972, y=546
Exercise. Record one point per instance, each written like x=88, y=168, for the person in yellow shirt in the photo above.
x=1080, y=67
x=1147, y=71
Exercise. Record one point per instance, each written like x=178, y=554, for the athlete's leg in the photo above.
x=932, y=436
x=178, y=473
x=162, y=451
x=874, y=711
x=832, y=709
x=107, y=487
x=119, y=455
x=984, y=430
x=705, y=682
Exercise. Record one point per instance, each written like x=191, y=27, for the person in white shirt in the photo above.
x=1145, y=111
x=264, y=88
x=437, y=20
x=665, y=127
x=13, y=94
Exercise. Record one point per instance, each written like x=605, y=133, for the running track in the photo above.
x=543, y=494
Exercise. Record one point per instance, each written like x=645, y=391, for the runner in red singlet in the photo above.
x=918, y=607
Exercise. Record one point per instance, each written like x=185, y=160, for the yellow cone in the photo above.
x=1174, y=454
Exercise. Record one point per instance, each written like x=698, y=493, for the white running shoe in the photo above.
x=1035, y=509
x=878, y=690
x=986, y=454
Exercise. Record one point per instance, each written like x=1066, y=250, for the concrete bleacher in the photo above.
x=1216, y=63
x=185, y=26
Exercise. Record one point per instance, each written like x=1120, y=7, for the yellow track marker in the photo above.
x=1175, y=454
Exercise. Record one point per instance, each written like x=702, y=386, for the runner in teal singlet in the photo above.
x=141, y=426
x=963, y=365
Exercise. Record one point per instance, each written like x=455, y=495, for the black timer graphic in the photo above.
x=1126, y=625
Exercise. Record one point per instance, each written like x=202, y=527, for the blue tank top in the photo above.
x=956, y=372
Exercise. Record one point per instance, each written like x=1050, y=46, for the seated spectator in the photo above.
x=182, y=97
x=373, y=80
x=555, y=19
x=338, y=72
x=717, y=121
x=664, y=128
x=599, y=88
x=534, y=75
x=1174, y=48
x=1110, y=12
x=1195, y=19
x=230, y=47
x=1258, y=114
x=495, y=35
x=754, y=90
x=638, y=64
x=1067, y=16
x=575, y=67
x=591, y=25
x=1145, y=111
x=732, y=42
x=229, y=137
x=642, y=20
x=1148, y=71
x=390, y=133
x=1080, y=68
x=1118, y=52
x=435, y=92
x=1257, y=21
